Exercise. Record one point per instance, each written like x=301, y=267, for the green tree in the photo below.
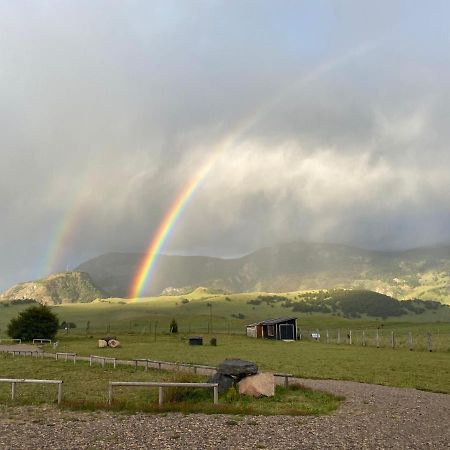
x=35, y=322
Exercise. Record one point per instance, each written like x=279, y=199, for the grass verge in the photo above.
x=85, y=388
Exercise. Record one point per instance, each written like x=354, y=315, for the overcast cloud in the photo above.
x=107, y=109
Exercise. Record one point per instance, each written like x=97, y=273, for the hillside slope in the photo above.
x=422, y=273
x=65, y=287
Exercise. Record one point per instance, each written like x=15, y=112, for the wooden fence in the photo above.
x=66, y=356
x=102, y=360
x=160, y=386
x=42, y=341
x=15, y=381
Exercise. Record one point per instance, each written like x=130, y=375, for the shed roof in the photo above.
x=272, y=321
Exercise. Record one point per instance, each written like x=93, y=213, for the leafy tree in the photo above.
x=35, y=322
x=173, y=326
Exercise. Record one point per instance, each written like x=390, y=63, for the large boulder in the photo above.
x=237, y=368
x=261, y=384
x=225, y=382
x=102, y=343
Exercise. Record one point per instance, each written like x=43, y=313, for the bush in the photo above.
x=35, y=322
x=173, y=326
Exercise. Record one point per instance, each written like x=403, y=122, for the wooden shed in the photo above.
x=283, y=328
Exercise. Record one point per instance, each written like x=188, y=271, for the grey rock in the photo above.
x=237, y=368
x=225, y=382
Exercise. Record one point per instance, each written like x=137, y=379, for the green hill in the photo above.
x=65, y=287
x=419, y=273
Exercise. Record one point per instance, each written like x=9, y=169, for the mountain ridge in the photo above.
x=422, y=272
x=57, y=288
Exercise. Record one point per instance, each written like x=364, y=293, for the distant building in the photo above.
x=283, y=328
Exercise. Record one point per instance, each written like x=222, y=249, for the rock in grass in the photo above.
x=225, y=382
x=102, y=343
x=237, y=368
x=261, y=384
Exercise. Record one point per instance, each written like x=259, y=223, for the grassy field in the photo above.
x=225, y=316
x=86, y=388
x=199, y=311
x=394, y=367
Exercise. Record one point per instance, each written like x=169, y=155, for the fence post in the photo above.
x=160, y=395
x=60, y=392
x=350, y=337
x=13, y=391
x=338, y=337
x=363, y=338
x=328, y=336
x=430, y=342
x=410, y=341
x=110, y=394
x=216, y=395
x=378, y=339
x=90, y=361
x=392, y=339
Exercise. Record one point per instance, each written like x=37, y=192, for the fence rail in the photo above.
x=160, y=386
x=66, y=356
x=24, y=352
x=380, y=338
x=15, y=381
x=42, y=341
x=102, y=360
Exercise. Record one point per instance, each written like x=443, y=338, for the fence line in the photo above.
x=103, y=359
x=380, y=338
x=15, y=381
x=42, y=341
x=66, y=356
x=160, y=386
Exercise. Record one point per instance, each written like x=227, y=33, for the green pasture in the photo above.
x=201, y=312
x=143, y=329
x=86, y=388
x=305, y=359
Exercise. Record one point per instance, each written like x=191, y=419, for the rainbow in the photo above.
x=65, y=228
x=166, y=226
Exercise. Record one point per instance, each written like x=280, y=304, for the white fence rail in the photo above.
x=66, y=356
x=42, y=341
x=102, y=360
x=15, y=381
x=161, y=385
x=24, y=352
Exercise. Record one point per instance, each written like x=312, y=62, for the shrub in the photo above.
x=34, y=322
x=173, y=326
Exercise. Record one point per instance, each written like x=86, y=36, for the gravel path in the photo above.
x=371, y=417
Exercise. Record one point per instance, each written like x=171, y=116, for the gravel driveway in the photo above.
x=370, y=417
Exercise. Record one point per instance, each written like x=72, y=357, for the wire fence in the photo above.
x=423, y=341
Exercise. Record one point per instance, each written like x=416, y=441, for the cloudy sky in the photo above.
x=334, y=114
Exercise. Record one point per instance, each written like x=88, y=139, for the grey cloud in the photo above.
x=107, y=109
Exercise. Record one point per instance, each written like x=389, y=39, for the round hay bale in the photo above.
x=114, y=343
